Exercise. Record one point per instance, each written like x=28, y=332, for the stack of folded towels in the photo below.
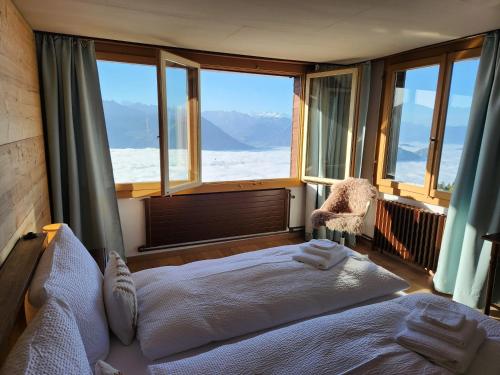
x=321, y=254
x=444, y=337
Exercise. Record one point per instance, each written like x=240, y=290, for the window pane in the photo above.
x=176, y=79
x=457, y=116
x=129, y=93
x=328, y=127
x=246, y=124
x=411, y=123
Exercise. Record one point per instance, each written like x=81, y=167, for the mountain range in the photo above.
x=135, y=125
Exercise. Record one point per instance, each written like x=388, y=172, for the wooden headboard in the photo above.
x=15, y=277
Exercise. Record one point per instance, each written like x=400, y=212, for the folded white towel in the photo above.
x=442, y=317
x=440, y=352
x=319, y=261
x=459, y=338
x=322, y=253
x=323, y=244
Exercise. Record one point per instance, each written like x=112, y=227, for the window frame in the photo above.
x=148, y=55
x=444, y=57
x=194, y=118
x=353, y=123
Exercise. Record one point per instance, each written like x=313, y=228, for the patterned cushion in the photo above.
x=51, y=344
x=120, y=299
x=68, y=272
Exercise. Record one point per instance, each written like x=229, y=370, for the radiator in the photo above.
x=411, y=233
x=183, y=219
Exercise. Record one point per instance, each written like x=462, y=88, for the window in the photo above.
x=411, y=123
x=130, y=100
x=179, y=123
x=246, y=124
x=463, y=77
x=425, y=119
x=173, y=127
x=148, y=145
x=330, y=104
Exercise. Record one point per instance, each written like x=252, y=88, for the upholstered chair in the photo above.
x=346, y=206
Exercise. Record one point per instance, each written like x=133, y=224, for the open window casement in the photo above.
x=329, y=125
x=179, y=113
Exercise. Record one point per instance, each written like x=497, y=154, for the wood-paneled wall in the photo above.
x=24, y=198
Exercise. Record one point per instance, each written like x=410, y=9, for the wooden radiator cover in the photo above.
x=411, y=233
x=203, y=217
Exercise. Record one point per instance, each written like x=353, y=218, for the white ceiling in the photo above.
x=309, y=30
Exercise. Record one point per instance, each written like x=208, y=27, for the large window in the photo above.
x=172, y=126
x=246, y=124
x=425, y=121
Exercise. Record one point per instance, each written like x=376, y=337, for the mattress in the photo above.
x=130, y=360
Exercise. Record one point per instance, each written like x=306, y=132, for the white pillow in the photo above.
x=51, y=344
x=120, y=299
x=67, y=271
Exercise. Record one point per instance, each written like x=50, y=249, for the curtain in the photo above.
x=327, y=140
x=82, y=188
x=475, y=203
x=364, y=99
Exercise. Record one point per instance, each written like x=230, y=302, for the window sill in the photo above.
x=152, y=189
x=438, y=201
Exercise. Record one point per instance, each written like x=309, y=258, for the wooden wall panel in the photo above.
x=24, y=198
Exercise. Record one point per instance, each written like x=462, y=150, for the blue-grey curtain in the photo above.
x=364, y=99
x=82, y=188
x=475, y=203
x=326, y=149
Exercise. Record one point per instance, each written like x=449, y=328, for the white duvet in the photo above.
x=188, y=306
x=357, y=341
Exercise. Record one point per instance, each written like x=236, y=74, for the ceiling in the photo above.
x=310, y=30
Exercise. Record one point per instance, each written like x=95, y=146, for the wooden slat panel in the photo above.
x=24, y=198
x=15, y=276
x=203, y=217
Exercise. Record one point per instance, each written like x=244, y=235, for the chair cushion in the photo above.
x=68, y=272
x=51, y=344
x=120, y=299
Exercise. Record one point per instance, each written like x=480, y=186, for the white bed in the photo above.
x=184, y=307
x=131, y=358
x=357, y=341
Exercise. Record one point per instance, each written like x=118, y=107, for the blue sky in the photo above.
x=227, y=91
x=421, y=82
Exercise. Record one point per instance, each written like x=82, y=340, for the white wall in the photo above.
x=134, y=226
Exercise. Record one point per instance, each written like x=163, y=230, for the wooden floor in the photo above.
x=420, y=281
x=211, y=251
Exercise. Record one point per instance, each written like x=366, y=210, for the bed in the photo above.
x=214, y=311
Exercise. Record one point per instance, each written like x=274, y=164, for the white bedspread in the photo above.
x=358, y=341
x=188, y=306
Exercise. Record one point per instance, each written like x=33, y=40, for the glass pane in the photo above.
x=457, y=117
x=246, y=126
x=129, y=94
x=411, y=123
x=328, y=127
x=178, y=123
